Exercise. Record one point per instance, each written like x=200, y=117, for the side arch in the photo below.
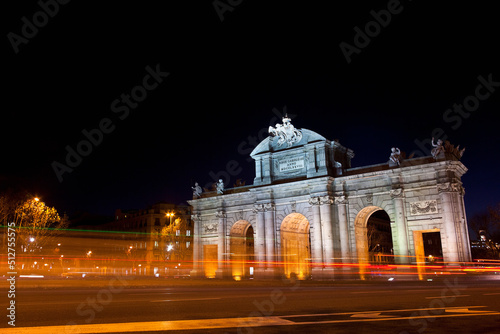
x=241, y=243
x=377, y=238
x=361, y=233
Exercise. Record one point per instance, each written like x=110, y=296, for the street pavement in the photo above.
x=113, y=305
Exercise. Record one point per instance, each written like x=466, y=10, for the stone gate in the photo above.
x=308, y=211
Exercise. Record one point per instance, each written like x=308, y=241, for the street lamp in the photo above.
x=170, y=215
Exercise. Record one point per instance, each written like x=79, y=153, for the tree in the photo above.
x=494, y=212
x=481, y=222
x=36, y=224
x=488, y=221
x=174, y=240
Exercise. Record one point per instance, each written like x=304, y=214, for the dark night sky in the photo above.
x=226, y=77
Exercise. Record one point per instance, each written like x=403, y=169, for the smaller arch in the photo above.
x=241, y=248
x=361, y=235
x=363, y=215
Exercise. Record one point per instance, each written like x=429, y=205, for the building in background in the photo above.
x=485, y=248
x=157, y=240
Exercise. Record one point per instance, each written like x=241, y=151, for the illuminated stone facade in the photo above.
x=308, y=210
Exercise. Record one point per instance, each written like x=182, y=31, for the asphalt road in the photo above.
x=443, y=306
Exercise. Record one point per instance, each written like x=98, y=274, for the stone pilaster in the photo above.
x=221, y=242
x=463, y=223
x=259, y=244
x=316, y=237
x=341, y=203
x=397, y=196
x=447, y=191
x=197, y=268
x=327, y=228
x=269, y=233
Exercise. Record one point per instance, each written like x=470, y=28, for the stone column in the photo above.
x=221, y=243
x=327, y=229
x=341, y=203
x=316, y=237
x=465, y=230
x=450, y=253
x=197, y=270
x=397, y=196
x=259, y=242
x=269, y=234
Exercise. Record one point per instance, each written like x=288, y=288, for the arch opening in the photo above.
x=296, y=246
x=242, y=250
x=373, y=237
x=378, y=229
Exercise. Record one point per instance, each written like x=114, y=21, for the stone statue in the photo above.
x=438, y=150
x=395, y=158
x=197, y=190
x=286, y=133
x=220, y=187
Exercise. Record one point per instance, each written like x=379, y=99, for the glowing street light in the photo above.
x=170, y=215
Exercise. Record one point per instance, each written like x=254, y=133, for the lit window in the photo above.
x=188, y=244
x=188, y=233
x=156, y=245
x=178, y=232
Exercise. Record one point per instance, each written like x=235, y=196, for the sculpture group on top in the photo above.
x=440, y=151
x=286, y=133
x=395, y=158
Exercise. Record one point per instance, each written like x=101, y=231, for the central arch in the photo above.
x=296, y=246
x=373, y=237
x=242, y=249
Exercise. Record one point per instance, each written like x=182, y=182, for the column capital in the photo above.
x=397, y=193
x=327, y=199
x=196, y=217
x=268, y=206
x=220, y=214
x=314, y=201
x=258, y=208
x=340, y=200
x=450, y=187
